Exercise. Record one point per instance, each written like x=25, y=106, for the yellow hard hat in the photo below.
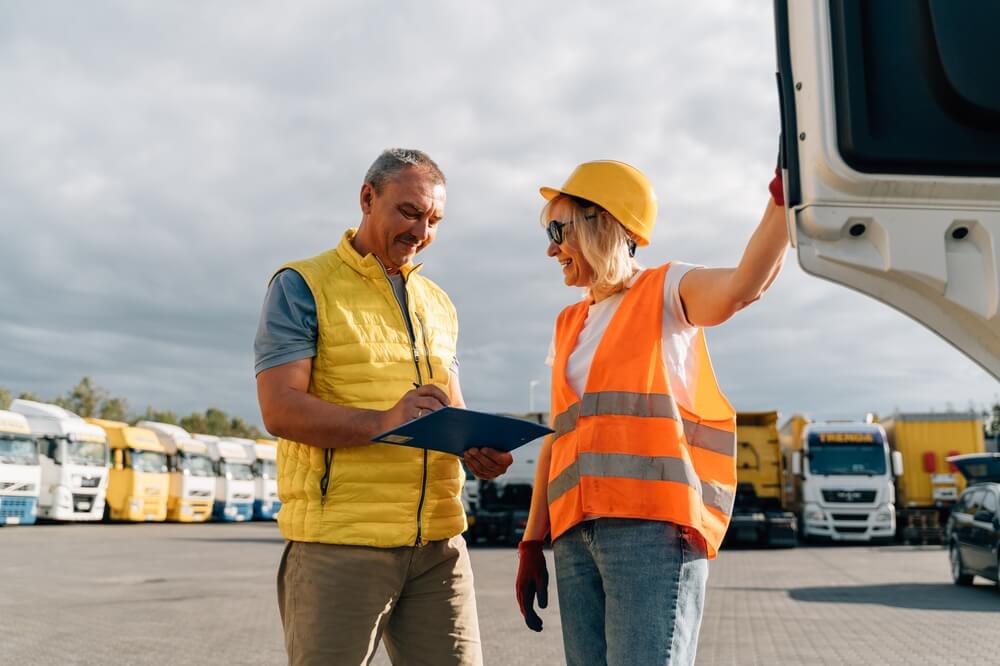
x=618, y=188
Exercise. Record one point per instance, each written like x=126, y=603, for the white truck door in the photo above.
x=891, y=140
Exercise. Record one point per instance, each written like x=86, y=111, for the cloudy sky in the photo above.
x=161, y=159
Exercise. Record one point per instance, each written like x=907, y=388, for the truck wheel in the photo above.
x=958, y=574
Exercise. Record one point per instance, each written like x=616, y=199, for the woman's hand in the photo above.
x=532, y=580
x=487, y=463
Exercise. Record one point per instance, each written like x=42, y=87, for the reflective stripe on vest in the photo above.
x=648, y=405
x=641, y=468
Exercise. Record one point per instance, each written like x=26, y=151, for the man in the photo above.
x=352, y=343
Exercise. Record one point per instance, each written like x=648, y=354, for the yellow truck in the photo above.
x=138, y=482
x=759, y=515
x=192, y=473
x=930, y=485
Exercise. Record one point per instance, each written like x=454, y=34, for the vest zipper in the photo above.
x=325, y=481
x=420, y=381
x=427, y=351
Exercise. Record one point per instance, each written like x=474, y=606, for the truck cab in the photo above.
x=73, y=457
x=20, y=472
x=234, y=480
x=138, y=482
x=845, y=474
x=192, y=473
x=265, y=471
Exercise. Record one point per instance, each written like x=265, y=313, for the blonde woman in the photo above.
x=636, y=486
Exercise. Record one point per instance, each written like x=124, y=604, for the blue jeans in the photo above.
x=630, y=592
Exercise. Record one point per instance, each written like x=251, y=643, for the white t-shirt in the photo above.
x=678, y=332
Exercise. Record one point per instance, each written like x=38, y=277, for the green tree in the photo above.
x=4, y=398
x=114, y=409
x=84, y=399
x=216, y=422
x=156, y=415
x=28, y=395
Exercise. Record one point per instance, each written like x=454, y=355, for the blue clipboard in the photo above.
x=453, y=430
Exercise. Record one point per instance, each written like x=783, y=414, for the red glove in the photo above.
x=532, y=579
x=776, y=188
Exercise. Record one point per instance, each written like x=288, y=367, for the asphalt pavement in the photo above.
x=204, y=594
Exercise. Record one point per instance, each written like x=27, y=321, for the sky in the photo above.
x=160, y=160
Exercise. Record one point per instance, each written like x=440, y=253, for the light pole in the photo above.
x=531, y=394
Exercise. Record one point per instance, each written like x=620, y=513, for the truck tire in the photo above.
x=958, y=575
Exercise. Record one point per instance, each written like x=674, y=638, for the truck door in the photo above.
x=891, y=138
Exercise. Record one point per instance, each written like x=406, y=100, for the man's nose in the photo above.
x=421, y=229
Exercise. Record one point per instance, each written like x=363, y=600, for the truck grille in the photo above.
x=90, y=482
x=852, y=529
x=849, y=496
x=83, y=503
x=199, y=493
x=850, y=516
x=14, y=507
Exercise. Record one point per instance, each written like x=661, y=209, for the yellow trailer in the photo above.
x=138, y=482
x=759, y=515
x=930, y=485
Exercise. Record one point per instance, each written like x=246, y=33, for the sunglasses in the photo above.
x=555, y=231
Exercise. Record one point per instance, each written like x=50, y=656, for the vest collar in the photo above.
x=368, y=265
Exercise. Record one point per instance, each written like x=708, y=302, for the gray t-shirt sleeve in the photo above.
x=287, y=330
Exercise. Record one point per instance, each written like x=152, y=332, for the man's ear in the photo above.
x=367, y=197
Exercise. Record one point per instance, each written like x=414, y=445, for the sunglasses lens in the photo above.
x=555, y=232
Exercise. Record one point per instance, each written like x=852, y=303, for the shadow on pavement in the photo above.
x=278, y=540
x=920, y=596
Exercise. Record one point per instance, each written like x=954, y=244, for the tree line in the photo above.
x=90, y=400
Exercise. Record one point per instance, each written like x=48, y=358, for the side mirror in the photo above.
x=897, y=463
x=797, y=463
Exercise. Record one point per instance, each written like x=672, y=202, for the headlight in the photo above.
x=135, y=504
x=77, y=480
x=883, y=517
x=815, y=516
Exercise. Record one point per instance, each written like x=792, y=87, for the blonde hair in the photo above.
x=602, y=240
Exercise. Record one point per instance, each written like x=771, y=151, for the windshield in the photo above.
x=87, y=453
x=237, y=471
x=837, y=459
x=197, y=465
x=148, y=461
x=18, y=451
x=267, y=469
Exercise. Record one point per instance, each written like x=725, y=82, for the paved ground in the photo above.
x=204, y=594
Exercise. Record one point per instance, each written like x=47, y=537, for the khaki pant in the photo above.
x=337, y=602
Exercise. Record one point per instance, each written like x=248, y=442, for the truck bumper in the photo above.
x=190, y=511
x=233, y=512
x=263, y=510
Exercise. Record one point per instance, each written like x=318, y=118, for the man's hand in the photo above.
x=413, y=405
x=487, y=463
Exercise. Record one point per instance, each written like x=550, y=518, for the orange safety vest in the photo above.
x=625, y=448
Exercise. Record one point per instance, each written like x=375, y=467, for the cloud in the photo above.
x=160, y=161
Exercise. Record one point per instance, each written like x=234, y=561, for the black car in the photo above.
x=973, y=529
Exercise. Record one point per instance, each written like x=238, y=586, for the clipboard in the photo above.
x=453, y=430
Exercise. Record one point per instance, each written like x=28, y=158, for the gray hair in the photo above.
x=393, y=160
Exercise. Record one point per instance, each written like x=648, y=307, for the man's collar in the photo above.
x=368, y=265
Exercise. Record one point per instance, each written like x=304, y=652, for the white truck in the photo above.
x=192, y=473
x=234, y=482
x=265, y=471
x=74, y=462
x=844, y=475
x=20, y=472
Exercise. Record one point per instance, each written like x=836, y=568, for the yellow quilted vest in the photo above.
x=379, y=495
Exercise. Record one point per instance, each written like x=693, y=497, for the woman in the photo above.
x=636, y=486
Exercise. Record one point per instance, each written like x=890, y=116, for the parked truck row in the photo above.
x=58, y=466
